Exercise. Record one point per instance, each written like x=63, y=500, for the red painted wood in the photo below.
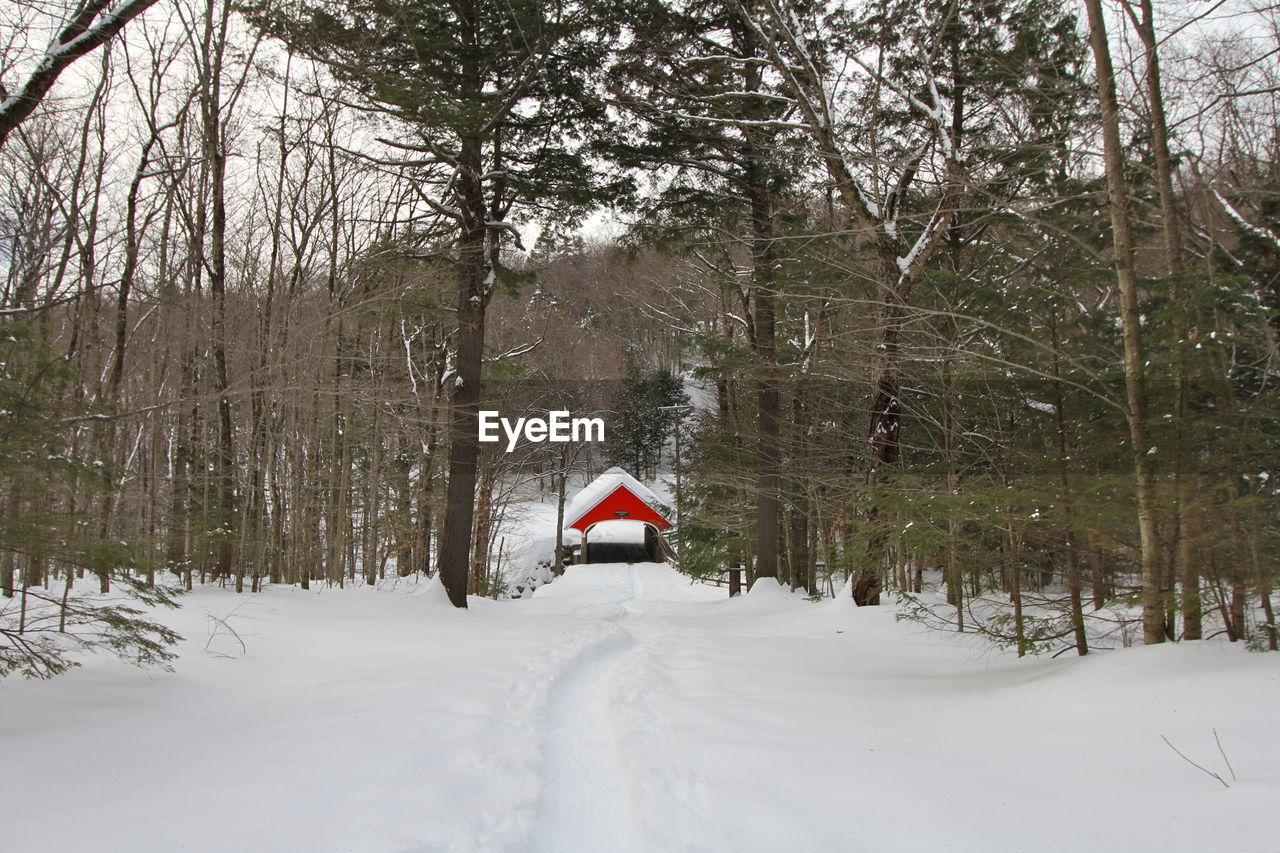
x=621, y=499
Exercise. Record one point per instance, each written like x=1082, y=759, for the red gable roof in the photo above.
x=619, y=503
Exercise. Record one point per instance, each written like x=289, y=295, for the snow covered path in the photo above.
x=586, y=802
x=623, y=709
x=611, y=782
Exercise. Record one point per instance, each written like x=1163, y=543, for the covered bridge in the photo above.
x=634, y=517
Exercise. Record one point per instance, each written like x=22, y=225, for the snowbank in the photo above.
x=625, y=709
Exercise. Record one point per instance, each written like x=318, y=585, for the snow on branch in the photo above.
x=743, y=122
x=1255, y=230
x=442, y=209
x=506, y=228
x=806, y=85
x=93, y=24
x=515, y=352
x=926, y=242
x=729, y=59
x=893, y=200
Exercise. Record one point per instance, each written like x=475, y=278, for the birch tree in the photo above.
x=1134, y=363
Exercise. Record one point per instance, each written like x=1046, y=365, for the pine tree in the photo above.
x=696, y=76
x=643, y=418
x=494, y=100
x=45, y=542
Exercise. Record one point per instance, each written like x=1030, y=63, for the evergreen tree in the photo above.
x=45, y=542
x=696, y=76
x=494, y=100
x=643, y=416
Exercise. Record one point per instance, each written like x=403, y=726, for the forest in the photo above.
x=971, y=305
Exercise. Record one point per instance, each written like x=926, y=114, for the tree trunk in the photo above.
x=1185, y=571
x=557, y=566
x=215, y=151
x=769, y=423
x=1074, y=587
x=1134, y=366
x=1013, y=562
x=464, y=446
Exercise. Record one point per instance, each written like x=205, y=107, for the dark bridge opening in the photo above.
x=622, y=541
x=617, y=552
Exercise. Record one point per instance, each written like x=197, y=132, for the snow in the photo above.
x=624, y=708
x=618, y=530
x=1230, y=210
x=527, y=540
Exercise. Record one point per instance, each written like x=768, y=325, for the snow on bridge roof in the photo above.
x=601, y=488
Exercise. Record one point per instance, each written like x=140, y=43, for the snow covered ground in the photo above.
x=623, y=709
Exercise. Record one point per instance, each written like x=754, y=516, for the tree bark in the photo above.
x=1074, y=586
x=1185, y=571
x=557, y=566
x=1134, y=365
x=212, y=49
x=464, y=446
x=769, y=400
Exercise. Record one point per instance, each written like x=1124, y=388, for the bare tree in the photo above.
x=89, y=25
